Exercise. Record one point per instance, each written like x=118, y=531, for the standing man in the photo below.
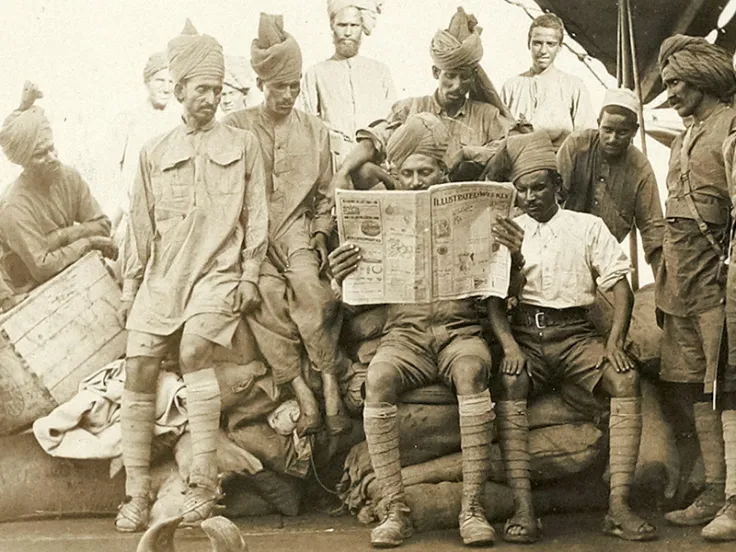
x=48, y=217
x=567, y=258
x=465, y=98
x=544, y=96
x=604, y=174
x=422, y=344
x=691, y=286
x=237, y=84
x=348, y=91
x=199, y=225
x=298, y=311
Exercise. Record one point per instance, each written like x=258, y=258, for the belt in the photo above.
x=542, y=317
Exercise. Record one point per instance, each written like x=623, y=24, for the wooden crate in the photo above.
x=64, y=331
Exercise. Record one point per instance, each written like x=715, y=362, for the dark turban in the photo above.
x=706, y=66
x=422, y=133
x=522, y=154
x=275, y=55
x=24, y=128
x=194, y=55
x=157, y=62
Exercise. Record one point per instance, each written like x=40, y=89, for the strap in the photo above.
x=688, y=196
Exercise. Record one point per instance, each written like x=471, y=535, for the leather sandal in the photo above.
x=629, y=526
x=531, y=530
x=133, y=514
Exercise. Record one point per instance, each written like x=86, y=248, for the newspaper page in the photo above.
x=422, y=246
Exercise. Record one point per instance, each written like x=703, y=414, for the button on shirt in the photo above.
x=567, y=258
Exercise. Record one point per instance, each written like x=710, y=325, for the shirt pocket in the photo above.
x=225, y=172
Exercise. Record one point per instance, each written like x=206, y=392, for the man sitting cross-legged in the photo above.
x=424, y=343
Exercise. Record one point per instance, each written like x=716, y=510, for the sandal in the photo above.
x=133, y=514
x=629, y=526
x=531, y=529
x=199, y=502
x=338, y=424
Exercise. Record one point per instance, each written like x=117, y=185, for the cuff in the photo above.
x=251, y=270
x=130, y=289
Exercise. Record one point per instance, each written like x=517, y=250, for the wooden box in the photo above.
x=64, y=331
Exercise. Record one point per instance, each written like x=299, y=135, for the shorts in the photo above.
x=565, y=353
x=422, y=359
x=215, y=327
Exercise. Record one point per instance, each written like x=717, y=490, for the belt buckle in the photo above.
x=539, y=320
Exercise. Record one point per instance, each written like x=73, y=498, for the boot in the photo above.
x=474, y=527
x=723, y=526
x=395, y=529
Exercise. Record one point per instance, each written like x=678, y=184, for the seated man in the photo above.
x=424, y=343
x=605, y=175
x=298, y=311
x=566, y=256
x=465, y=99
x=48, y=217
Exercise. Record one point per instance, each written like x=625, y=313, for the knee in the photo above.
x=193, y=353
x=141, y=374
x=382, y=383
x=514, y=387
x=469, y=375
x=623, y=384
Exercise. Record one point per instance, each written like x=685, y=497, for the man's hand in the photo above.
x=105, y=246
x=319, y=244
x=344, y=261
x=508, y=233
x=514, y=362
x=247, y=297
x=618, y=358
x=369, y=175
x=123, y=312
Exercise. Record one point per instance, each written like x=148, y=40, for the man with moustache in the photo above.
x=549, y=99
x=298, y=311
x=237, y=84
x=348, y=91
x=199, y=227
x=48, y=217
x=465, y=98
x=604, y=174
x=691, y=286
x=548, y=339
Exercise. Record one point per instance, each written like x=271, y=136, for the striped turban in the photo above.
x=193, y=55
x=156, y=62
x=520, y=155
x=422, y=133
x=275, y=55
x=458, y=46
x=705, y=66
x=369, y=10
x=24, y=129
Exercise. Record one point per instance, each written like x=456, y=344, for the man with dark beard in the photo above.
x=348, y=91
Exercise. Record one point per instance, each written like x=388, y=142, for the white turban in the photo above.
x=369, y=10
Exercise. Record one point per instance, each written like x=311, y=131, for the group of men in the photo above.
x=231, y=219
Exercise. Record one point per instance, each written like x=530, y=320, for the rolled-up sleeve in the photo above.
x=605, y=255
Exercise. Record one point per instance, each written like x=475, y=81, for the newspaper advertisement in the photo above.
x=422, y=246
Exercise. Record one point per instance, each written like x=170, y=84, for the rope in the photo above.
x=314, y=469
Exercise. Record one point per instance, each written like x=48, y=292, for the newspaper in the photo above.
x=422, y=246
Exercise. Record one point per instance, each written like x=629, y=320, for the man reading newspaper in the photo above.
x=423, y=343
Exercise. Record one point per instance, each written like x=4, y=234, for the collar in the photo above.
x=553, y=225
x=192, y=129
x=271, y=120
x=441, y=110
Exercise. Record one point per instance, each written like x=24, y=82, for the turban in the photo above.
x=238, y=73
x=699, y=63
x=458, y=46
x=369, y=10
x=522, y=154
x=275, y=55
x=23, y=129
x=194, y=55
x=622, y=97
x=157, y=62
x=422, y=133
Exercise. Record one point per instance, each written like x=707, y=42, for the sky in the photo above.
x=87, y=56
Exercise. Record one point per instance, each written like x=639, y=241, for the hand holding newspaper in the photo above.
x=422, y=246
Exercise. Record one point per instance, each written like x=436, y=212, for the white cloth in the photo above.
x=567, y=257
x=88, y=425
x=552, y=101
x=348, y=94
